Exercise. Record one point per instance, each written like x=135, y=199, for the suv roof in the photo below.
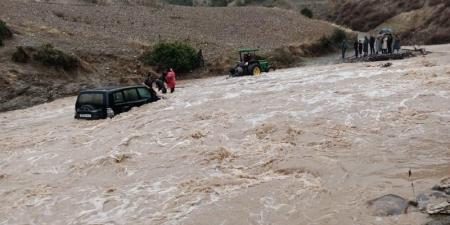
x=110, y=88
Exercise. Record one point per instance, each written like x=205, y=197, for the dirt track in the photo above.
x=304, y=145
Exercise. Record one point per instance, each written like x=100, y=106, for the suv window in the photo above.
x=131, y=94
x=144, y=93
x=91, y=99
x=118, y=97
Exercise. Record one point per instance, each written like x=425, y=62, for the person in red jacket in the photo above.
x=171, y=80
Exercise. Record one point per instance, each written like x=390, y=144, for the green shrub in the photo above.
x=307, y=12
x=49, y=56
x=181, y=2
x=282, y=57
x=5, y=32
x=219, y=3
x=20, y=55
x=327, y=44
x=177, y=55
x=241, y=3
x=338, y=36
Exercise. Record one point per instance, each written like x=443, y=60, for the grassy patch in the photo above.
x=307, y=12
x=20, y=55
x=49, y=56
x=181, y=2
x=326, y=44
x=5, y=32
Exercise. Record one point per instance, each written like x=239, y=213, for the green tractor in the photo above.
x=249, y=64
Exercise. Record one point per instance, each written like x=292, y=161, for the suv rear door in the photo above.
x=90, y=105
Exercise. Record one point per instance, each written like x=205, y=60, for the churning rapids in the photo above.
x=298, y=146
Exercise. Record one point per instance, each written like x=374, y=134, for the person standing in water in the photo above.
x=171, y=80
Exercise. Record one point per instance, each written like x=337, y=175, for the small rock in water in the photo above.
x=444, y=186
x=388, y=205
x=385, y=65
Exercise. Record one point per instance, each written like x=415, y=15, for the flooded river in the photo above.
x=306, y=145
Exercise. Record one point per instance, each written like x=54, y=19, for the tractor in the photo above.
x=249, y=64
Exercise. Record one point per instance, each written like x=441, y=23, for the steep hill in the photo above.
x=417, y=21
x=108, y=36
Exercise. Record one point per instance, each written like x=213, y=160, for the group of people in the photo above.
x=383, y=44
x=167, y=80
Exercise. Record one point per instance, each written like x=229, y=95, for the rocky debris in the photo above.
x=438, y=201
x=385, y=65
x=198, y=135
x=436, y=204
x=384, y=57
x=440, y=208
x=120, y=157
x=388, y=205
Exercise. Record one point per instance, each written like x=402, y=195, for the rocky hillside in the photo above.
x=108, y=36
x=417, y=21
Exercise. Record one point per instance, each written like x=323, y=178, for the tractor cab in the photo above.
x=250, y=64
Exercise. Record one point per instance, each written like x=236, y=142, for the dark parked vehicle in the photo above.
x=109, y=101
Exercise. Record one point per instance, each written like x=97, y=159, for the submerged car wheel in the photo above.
x=238, y=71
x=271, y=69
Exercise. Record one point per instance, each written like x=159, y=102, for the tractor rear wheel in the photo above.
x=254, y=70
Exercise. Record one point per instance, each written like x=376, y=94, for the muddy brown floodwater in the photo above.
x=307, y=145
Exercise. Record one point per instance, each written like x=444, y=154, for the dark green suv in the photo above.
x=106, y=102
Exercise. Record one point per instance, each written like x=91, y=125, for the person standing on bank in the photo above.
x=366, y=46
x=384, y=45
x=344, y=47
x=378, y=42
x=360, y=47
x=372, y=44
x=389, y=43
x=171, y=80
x=355, y=46
x=397, y=44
